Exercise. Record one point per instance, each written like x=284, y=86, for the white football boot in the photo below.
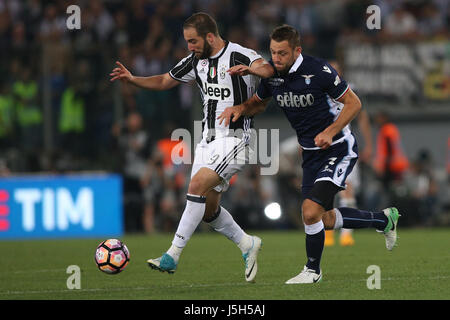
x=250, y=259
x=306, y=276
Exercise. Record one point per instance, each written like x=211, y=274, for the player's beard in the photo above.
x=288, y=67
x=207, y=50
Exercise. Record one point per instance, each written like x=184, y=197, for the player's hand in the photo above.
x=239, y=70
x=121, y=73
x=233, y=113
x=323, y=140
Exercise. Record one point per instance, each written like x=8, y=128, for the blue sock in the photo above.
x=314, y=245
x=357, y=219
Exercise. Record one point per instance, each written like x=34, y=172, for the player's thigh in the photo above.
x=225, y=156
x=203, y=181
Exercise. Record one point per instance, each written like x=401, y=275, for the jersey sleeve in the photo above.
x=245, y=56
x=331, y=82
x=253, y=56
x=263, y=91
x=184, y=70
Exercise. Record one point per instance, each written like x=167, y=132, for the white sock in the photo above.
x=339, y=222
x=225, y=224
x=175, y=252
x=246, y=243
x=191, y=218
x=314, y=228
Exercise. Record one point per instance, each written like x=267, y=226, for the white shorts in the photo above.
x=226, y=156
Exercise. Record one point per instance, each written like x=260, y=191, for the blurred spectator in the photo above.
x=302, y=15
x=6, y=116
x=29, y=116
x=138, y=17
x=390, y=161
x=4, y=170
x=153, y=183
x=72, y=118
x=448, y=158
x=446, y=202
x=290, y=179
x=5, y=37
x=14, y=7
x=103, y=21
x=328, y=29
x=401, y=24
x=53, y=26
x=251, y=192
x=164, y=182
x=159, y=196
x=120, y=35
x=431, y=22
x=134, y=147
x=422, y=189
x=19, y=42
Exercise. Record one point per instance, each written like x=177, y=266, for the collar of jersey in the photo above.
x=296, y=64
x=218, y=54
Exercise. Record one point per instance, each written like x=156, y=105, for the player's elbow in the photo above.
x=260, y=109
x=268, y=71
x=166, y=82
x=356, y=103
x=260, y=106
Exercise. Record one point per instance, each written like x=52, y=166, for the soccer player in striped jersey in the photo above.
x=223, y=150
x=301, y=86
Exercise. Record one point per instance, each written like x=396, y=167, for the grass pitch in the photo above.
x=211, y=268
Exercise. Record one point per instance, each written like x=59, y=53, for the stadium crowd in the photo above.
x=92, y=124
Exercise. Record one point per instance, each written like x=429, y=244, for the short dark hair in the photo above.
x=286, y=32
x=203, y=23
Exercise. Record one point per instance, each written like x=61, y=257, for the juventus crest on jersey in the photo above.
x=219, y=89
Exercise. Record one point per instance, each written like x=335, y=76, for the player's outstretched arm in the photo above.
x=260, y=68
x=251, y=107
x=352, y=105
x=158, y=82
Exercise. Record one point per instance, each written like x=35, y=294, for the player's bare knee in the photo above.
x=310, y=218
x=196, y=187
x=308, y=215
x=311, y=212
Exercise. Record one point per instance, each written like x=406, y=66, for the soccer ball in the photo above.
x=112, y=256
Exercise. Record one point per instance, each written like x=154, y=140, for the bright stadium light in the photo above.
x=273, y=211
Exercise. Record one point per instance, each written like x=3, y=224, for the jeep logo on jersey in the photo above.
x=294, y=100
x=216, y=91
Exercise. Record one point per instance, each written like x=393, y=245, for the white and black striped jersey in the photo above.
x=218, y=89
